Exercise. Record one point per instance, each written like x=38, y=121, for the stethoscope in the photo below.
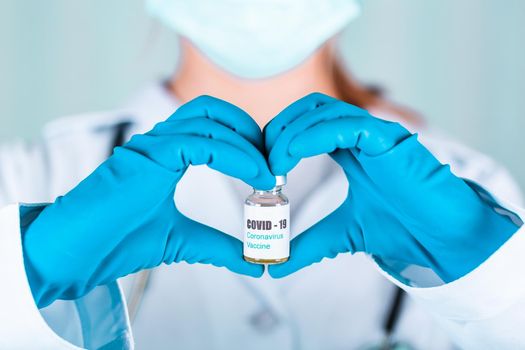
x=140, y=283
x=390, y=322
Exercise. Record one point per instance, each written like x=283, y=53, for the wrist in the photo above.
x=479, y=242
x=28, y=214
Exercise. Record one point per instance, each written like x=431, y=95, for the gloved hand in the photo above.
x=122, y=218
x=402, y=204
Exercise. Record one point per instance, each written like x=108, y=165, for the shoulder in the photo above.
x=144, y=109
x=85, y=123
x=73, y=146
x=66, y=151
x=83, y=140
x=471, y=164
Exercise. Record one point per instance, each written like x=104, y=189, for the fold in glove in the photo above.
x=122, y=218
x=402, y=203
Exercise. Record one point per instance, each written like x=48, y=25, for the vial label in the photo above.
x=267, y=232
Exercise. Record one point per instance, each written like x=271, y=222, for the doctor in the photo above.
x=74, y=221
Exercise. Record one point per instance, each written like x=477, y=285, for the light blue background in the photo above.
x=460, y=63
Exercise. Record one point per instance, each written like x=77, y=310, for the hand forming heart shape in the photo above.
x=403, y=206
x=122, y=218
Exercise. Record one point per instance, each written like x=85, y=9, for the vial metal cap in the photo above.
x=280, y=180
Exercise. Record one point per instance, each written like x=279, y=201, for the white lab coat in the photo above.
x=337, y=304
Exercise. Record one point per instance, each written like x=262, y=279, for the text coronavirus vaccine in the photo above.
x=266, y=225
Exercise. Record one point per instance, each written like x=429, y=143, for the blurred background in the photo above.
x=460, y=63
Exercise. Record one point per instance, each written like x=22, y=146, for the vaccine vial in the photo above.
x=267, y=225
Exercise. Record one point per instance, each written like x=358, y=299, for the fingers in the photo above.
x=177, y=152
x=326, y=239
x=329, y=127
x=278, y=124
x=224, y=113
x=199, y=141
x=280, y=159
x=198, y=243
x=208, y=128
x=369, y=135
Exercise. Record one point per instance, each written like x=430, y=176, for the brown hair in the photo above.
x=369, y=97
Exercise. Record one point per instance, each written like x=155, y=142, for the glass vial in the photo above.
x=267, y=225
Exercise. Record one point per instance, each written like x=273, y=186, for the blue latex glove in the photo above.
x=122, y=218
x=402, y=204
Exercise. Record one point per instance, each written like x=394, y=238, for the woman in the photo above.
x=439, y=235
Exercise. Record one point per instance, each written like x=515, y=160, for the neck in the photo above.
x=261, y=98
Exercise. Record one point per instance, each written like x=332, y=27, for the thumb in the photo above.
x=199, y=243
x=325, y=239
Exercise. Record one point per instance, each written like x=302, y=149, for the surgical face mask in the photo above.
x=256, y=38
